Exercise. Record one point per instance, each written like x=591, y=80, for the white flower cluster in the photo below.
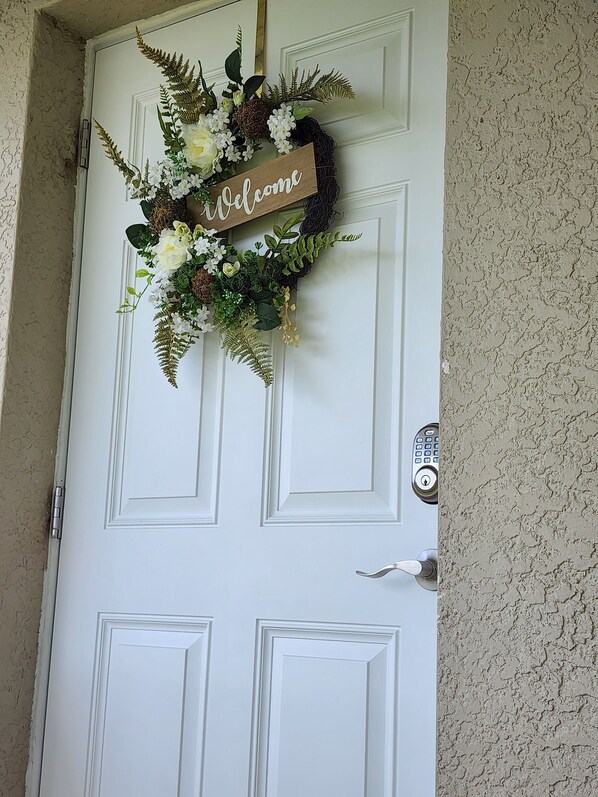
x=218, y=122
x=162, y=289
x=280, y=123
x=211, y=247
x=193, y=326
x=174, y=248
x=164, y=292
x=174, y=175
x=207, y=143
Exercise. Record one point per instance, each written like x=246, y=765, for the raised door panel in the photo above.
x=376, y=55
x=326, y=710
x=335, y=412
x=151, y=421
x=147, y=724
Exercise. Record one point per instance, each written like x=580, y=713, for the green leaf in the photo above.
x=270, y=242
x=131, y=291
x=252, y=84
x=278, y=231
x=267, y=316
x=137, y=235
x=147, y=208
x=300, y=112
x=292, y=221
x=142, y=272
x=263, y=296
x=162, y=122
x=232, y=67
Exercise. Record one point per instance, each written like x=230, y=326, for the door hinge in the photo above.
x=57, y=513
x=84, y=142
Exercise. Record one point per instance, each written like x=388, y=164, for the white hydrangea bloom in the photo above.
x=167, y=174
x=181, y=326
x=232, y=154
x=155, y=174
x=202, y=246
x=195, y=181
x=158, y=296
x=211, y=264
x=218, y=119
x=179, y=191
x=203, y=320
x=280, y=123
x=218, y=250
x=224, y=139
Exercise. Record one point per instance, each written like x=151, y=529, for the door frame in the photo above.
x=46, y=629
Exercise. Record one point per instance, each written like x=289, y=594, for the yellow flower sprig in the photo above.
x=290, y=335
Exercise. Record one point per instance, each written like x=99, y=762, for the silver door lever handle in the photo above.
x=425, y=569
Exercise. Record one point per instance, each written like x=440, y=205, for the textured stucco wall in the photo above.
x=16, y=25
x=38, y=150
x=518, y=699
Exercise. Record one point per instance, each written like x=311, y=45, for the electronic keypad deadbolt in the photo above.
x=424, y=463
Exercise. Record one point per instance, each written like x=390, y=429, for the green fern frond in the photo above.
x=131, y=174
x=187, y=87
x=308, y=247
x=169, y=347
x=306, y=88
x=210, y=99
x=168, y=116
x=245, y=344
x=332, y=84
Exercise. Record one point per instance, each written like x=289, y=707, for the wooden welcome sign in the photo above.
x=283, y=181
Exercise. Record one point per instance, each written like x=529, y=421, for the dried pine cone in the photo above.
x=201, y=285
x=166, y=211
x=252, y=118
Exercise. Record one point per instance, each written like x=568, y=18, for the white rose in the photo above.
x=171, y=251
x=200, y=148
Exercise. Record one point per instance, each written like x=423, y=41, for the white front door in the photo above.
x=212, y=637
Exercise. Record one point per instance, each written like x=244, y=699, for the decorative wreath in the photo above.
x=199, y=282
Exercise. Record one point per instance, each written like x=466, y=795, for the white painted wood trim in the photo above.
x=155, y=23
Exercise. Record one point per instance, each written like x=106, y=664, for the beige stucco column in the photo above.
x=39, y=101
x=518, y=666
x=518, y=659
